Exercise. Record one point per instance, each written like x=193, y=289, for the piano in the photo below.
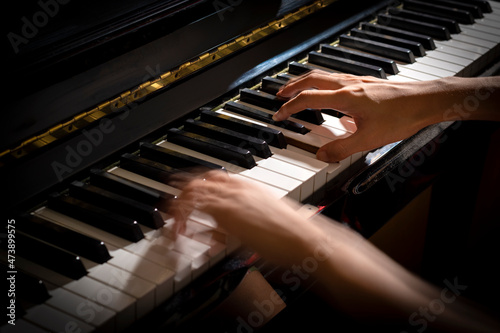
x=105, y=102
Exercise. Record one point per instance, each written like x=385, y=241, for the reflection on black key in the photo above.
x=272, y=136
x=470, y=7
x=462, y=16
x=450, y=24
x=256, y=114
x=483, y=4
x=175, y=159
x=139, y=192
x=157, y=171
x=272, y=85
x=31, y=288
x=346, y=65
x=426, y=41
x=297, y=68
x=142, y=213
x=28, y=287
x=51, y=257
x=118, y=225
x=257, y=146
x=273, y=103
x=262, y=99
x=415, y=47
x=388, y=65
x=221, y=150
x=385, y=50
x=433, y=30
x=64, y=238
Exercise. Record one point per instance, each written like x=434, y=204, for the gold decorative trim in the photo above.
x=128, y=97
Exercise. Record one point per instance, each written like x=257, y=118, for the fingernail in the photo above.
x=277, y=116
x=322, y=155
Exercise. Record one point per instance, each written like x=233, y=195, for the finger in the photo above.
x=309, y=99
x=339, y=150
x=313, y=80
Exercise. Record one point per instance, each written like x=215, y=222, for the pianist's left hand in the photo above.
x=357, y=277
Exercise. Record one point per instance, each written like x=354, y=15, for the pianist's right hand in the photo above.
x=388, y=111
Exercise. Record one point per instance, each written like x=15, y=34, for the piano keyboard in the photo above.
x=103, y=254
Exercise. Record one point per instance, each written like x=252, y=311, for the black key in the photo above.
x=388, y=65
x=285, y=76
x=346, y=65
x=450, y=24
x=157, y=171
x=48, y=256
x=262, y=99
x=128, y=188
x=385, y=50
x=144, y=214
x=297, y=68
x=426, y=41
x=256, y=114
x=256, y=146
x=221, y=150
x=483, y=4
x=64, y=238
x=175, y=159
x=415, y=47
x=98, y=217
x=470, y=7
x=433, y=30
x=272, y=136
x=460, y=15
x=272, y=85
x=273, y=103
x=28, y=287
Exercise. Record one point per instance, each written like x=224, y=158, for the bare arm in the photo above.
x=357, y=277
x=386, y=111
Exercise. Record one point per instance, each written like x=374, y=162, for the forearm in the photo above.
x=455, y=98
x=361, y=280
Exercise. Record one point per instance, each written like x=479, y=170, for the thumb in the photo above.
x=340, y=149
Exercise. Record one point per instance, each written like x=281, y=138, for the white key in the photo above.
x=278, y=191
x=103, y=295
x=417, y=75
x=319, y=168
x=473, y=40
x=128, y=283
x=426, y=69
x=329, y=122
x=55, y=321
x=82, y=308
x=122, y=304
x=458, y=44
x=474, y=33
x=332, y=169
x=180, y=263
x=304, y=176
x=162, y=277
x=145, y=181
x=436, y=63
x=309, y=139
x=399, y=78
